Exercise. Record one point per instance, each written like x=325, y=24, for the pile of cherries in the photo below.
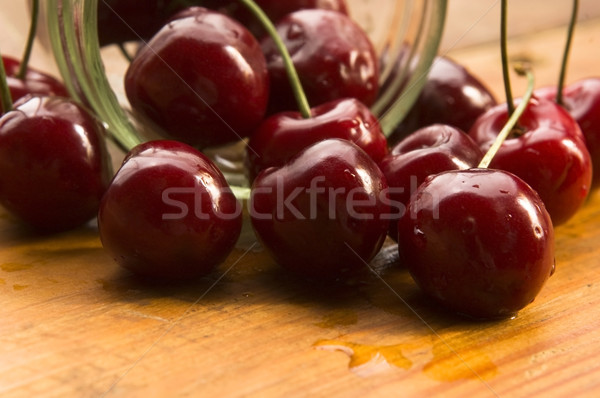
x=327, y=186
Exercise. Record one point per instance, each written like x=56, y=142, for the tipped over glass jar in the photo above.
x=405, y=34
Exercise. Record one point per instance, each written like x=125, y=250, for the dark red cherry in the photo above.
x=333, y=56
x=169, y=213
x=202, y=79
x=283, y=135
x=451, y=95
x=427, y=151
x=582, y=100
x=324, y=213
x=547, y=151
x=120, y=21
x=54, y=166
x=274, y=9
x=35, y=82
x=479, y=242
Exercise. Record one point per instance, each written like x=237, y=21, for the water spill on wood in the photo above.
x=367, y=360
x=451, y=364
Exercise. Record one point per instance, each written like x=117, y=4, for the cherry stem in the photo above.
x=5, y=96
x=513, y=119
x=124, y=52
x=293, y=77
x=35, y=10
x=565, y=58
x=504, y=54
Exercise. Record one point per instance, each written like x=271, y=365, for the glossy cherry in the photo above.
x=34, y=82
x=479, y=242
x=427, y=151
x=120, y=21
x=169, y=213
x=333, y=56
x=54, y=166
x=202, y=79
x=283, y=135
x=547, y=151
x=324, y=213
x=274, y=9
x=451, y=95
x=582, y=100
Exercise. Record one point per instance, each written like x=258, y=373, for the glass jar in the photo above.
x=406, y=34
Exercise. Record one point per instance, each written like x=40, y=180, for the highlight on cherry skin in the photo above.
x=582, y=100
x=34, y=82
x=425, y=152
x=478, y=242
x=169, y=213
x=336, y=219
x=54, y=165
x=332, y=54
x=173, y=80
x=547, y=150
x=281, y=136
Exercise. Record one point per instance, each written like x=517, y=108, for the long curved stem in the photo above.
x=293, y=77
x=512, y=121
x=504, y=53
x=35, y=10
x=565, y=58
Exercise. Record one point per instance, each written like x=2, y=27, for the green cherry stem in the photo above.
x=513, y=119
x=565, y=58
x=504, y=53
x=5, y=97
x=35, y=11
x=293, y=77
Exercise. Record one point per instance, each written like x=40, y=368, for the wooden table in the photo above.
x=72, y=324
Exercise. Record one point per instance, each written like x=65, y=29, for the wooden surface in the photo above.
x=74, y=325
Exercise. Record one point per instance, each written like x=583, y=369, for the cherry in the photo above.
x=582, y=100
x=427, y=151
x=547, y=151
x=451, y=95
x=479, y=242
x=34, y=81
x=323, y=213
x=120, y=21
x=283, y=135
x=201, y=78
x=333, y=56
x=54, y=166
x=169, y=212
x=274, y=9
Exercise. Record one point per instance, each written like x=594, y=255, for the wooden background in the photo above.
x=74, y=325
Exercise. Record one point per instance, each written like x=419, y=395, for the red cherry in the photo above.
x=274, y=9
x=120, y=21
x=54, y=166
x=548, y=152
x=451, y=95
x=333, y=56
x=169, y=213
x=202, y=78
x=35, y=82
x=283, y=135
x=582, y=100
x=324, y=212
x=427, y=151
x=478, y=242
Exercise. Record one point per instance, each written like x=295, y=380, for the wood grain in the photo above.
x=74, y=325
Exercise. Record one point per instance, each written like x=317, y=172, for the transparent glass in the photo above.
x=406, y=34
